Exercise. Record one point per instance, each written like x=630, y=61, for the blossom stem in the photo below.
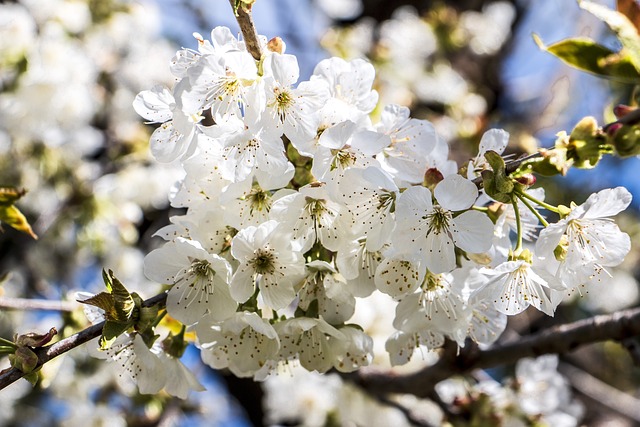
x=480, y=208
x=159, y=318
x=538, y=202
x=516, y=211
x=6, y=343
x=533, y=210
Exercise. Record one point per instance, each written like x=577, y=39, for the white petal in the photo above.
x=396, y=277
x=608, y=202
x=155, y=104
x=456, y=193
x=494, y=140
x=439, y=253
x=473, y=231
x=242, y=283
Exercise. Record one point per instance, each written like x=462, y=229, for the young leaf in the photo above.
x=110, y=331
x=103, y=301
x=123, y=301
x=619, y=24
x=12, y=216
x=118, y=304
x=586, y=55
x=9, y=195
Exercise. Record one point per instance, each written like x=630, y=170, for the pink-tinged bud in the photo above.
x=527, y=179
x=431, y=177
x=622, y=110
x=276, y=45
x=613, y=128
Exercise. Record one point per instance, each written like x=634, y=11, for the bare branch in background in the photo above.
x=558, y=339
x=7, y=303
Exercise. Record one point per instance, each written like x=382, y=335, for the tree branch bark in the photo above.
x=249, y=33
x=49, y=352
x=558, y=339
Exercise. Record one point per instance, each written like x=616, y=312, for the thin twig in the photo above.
x=601, y=392
x=36, y=304
x=558, y=339
x=249, y=33
x=49, y=352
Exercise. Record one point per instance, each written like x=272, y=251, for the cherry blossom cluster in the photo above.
x=298, y=204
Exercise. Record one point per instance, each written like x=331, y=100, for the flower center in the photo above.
x=342, y=158
x=283, y=102
x=439, y=220
x=259, y=200
x=263, y=262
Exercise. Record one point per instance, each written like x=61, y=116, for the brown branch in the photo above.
x=601, y=392
x=36, y=304
x=558, y=339
x=49, y=352
x=249, y=33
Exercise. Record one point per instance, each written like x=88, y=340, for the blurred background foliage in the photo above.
x=69, y=71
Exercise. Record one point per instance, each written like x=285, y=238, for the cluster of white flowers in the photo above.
x=68, y=72
x=538, y=393
x=298, y=205
x=412, y=53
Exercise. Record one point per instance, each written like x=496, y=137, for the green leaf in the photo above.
x=123, y=301
x=12, y=216
x=147, y=316
x=118, y=304
x=586, y=55
x=9, y=195
x=110, y=331
x=103, y=301
x=106, y=277
x=621, y=25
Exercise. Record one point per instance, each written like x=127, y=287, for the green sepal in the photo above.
x=148, y=337
x=496, y=182
x=626, y=141
x=587, y=55
x=584, y=144
x=110, y=331
x=32, y=377
x=312, y=310
x=147, y=316
x=174, y=345
x=564, y=211
x=24, y=359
